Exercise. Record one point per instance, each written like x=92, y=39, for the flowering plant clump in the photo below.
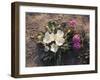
x=58, y=39
x=76, y=41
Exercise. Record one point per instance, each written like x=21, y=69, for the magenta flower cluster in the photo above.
x=76, y=38
x=72, y=23
x=76, y=41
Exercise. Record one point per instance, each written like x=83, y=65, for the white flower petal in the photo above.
x=60, y=33
x=59, y=38
x=54, y=48
x=52, y=37
x=46, y=48
x=60, y=41
x=46, y=38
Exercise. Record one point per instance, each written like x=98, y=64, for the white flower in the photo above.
x=46, y=48
x=59, y=38
x=59, y=41
x=60, y=33
x=46, y=38
x=54, y=48
x=52, y=36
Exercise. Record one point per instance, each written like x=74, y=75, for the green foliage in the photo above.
x=52, y=25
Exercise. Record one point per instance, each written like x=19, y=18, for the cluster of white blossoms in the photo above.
x=57, y=38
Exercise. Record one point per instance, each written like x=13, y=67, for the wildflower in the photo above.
x=58, y=38
x=72, y=23
x=46, y=38
x=54, y=48
x=76, y=41
x=76, y=38
x=76, y=45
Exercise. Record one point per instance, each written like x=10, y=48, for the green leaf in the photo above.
x=52, y=25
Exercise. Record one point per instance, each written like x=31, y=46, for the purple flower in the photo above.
x=76, y=45
x=76, y=38
x=76, y=41
x=72, y=22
